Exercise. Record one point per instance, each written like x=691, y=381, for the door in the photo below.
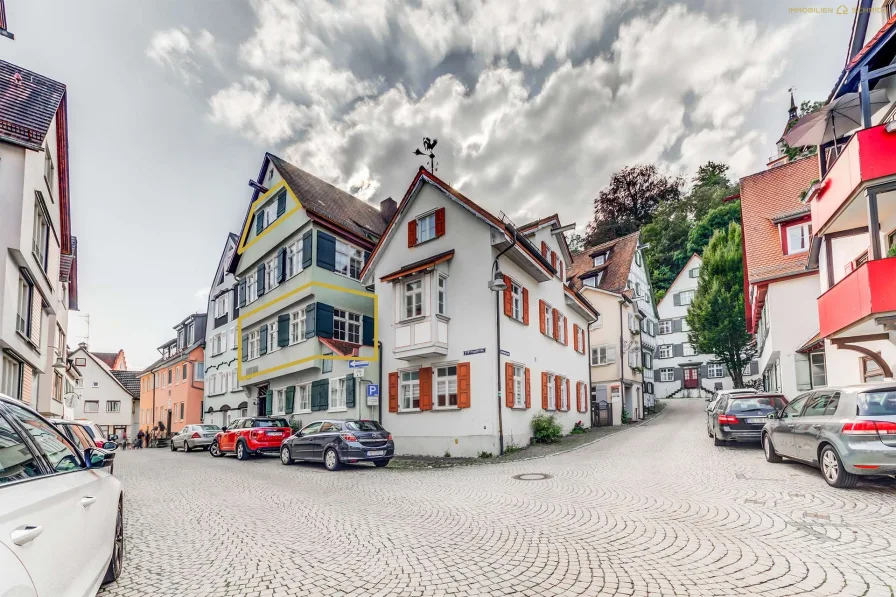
x=782, y=432
x=43, y=520
x=809, y=426
x=228, y=438
x=301, y=444
x=328, y=432
x=691, y=375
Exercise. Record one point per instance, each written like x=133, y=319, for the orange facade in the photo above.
x=173, y=391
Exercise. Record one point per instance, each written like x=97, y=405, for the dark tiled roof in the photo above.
x=333, y=204
x=617, y=268
x=130, y=380
x=28, y=103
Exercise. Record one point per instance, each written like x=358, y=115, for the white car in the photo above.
x=61, y=512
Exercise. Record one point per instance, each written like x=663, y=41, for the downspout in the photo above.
x=498, y=356
x=379, y=402
x=621, y=364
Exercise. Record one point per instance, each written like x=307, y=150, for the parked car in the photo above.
x=338, y=442
x=61, y=512
x=250, y=436
x=741, y=417
x=93, y=430
x=847, y=432
x=714, y=399
x=78, y=433
x=194, y=436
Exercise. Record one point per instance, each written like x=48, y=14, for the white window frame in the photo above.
x=564, y=396
x=351, y=324
x=665, y=351
x=442, y=296
x=443, y=383
x=408, y=384
x=552, y=391
x=606, y=354
x=516, y=301
x=688, y=350
x=297, y=323
x=337, y=394
x=279, y=401
x=231, y=337
x=254, y=345
x=270, y=274
x=234, y=380
x=665, y=326
x=417, y=296
x=251, y=288
x=715, y=371
x=582, y=346
x=803, y=236
x=519, y=386
x=11, y=377
x=548, y=320
x=294, y=258
x=667, y=374
x=91, y=406
x=694, y=272
x=221, y=305
x=561, y=328
x=600, y=259
x=23, y=308
x=426, y=227
x=40, y=244
x=272, y=336
x=199, y=371
x=686, y=293
x=303, y=398
x=349, y=260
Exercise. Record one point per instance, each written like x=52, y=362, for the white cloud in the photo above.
x=176, y=49
x=250, y=108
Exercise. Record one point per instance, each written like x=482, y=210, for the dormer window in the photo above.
x=600, y=259
x=426, y=227
x=797, y=238
x=593, y=281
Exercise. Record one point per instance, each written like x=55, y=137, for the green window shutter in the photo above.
x=281, y=203
x=367, y=330
x=290, y=399
x=264, y=340
x=259, y=279
x=283, y=330
x=245, y=355
x=259, y=224
x=324, y=320
x=242, y=293
x=350, y=391
x=269, y=402
x=306, y=250
x=319, y=394
x=281, y=265
x=326, y=251
x=310, y=320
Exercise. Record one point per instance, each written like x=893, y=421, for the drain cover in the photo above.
x=532, y=477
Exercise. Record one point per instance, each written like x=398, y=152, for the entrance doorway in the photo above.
x=690, y=377
x=262, y=401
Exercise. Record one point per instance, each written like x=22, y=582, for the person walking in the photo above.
x=140, y=436
x=124, y=440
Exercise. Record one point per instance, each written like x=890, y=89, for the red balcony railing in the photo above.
x=869, y=155
x=869, y=290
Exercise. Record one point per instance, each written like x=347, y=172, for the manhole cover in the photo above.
x=532, y=477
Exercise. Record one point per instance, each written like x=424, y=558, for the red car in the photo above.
x=250, y=436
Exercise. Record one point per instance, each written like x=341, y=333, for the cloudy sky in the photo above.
x=172, y=104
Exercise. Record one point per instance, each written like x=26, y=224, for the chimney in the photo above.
x=388, y=207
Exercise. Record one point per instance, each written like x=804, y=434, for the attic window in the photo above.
x=593, y=281
x=600, y=259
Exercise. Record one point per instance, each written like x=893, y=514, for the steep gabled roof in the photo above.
x=616, y=269
x=686, y=267
x=28, y=103
x=111, y=373
x=130, y=380
x=111, y=359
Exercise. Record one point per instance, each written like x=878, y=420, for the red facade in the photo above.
x=866, y=291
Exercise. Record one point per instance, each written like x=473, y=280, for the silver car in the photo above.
x=194, y=436
x=848, y=432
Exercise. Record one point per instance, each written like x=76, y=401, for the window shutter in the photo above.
x=324, y=321
x=555, y=320
x=508, y=384
x=326, y=251
x=350, y=391
x=678, y=350
x=676, y=299
x=508, y=297
x=544, y=249
x=242, y=293
x=259, y=224
x=557, y=392
x=283, y=330
x=290, y=399
x=463, y=385
x=544, y=390
x=561, y=271
x=281, y=265
x=541, y=322
x=704, y=371
x=281, y=203
x=678, y=374
x=440, y=222
x=528, y=389
x=393, y=392
x=311, y=320
x=426, y=388
x=656, y=375
x=306, y=250
x=235, y=302
x=565, y=332
x=245, y=351
x=367, y=330
x=269, y=403
x=575, y=337
x=553, y=260
x=264, y=340
x=259, y=279
x=676, y=324
x=320, y=394
x=568, y=395
x=611, y=354
x=412, y=233
x=754, y=367
x=525, y=306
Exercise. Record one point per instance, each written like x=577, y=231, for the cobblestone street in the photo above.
x=653, y=510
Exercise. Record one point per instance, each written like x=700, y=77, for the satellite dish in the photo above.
x=69, y=399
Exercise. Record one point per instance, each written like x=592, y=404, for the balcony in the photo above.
x=421, y=337
x=851, y=304
x=868, y=159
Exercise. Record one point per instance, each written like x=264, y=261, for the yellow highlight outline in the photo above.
x=274, y=189
x=239, y=330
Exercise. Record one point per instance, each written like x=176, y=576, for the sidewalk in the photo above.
x=567, y=444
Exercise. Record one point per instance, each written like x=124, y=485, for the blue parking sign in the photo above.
x=373, y=394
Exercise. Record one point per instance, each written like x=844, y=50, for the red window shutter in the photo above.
x=544, y=390
x=463, y=385
x=440, y=222
x=426, y=388
x=544, y=249
x=508, y=297
x=393, y=392
x=558, y=392
x=568, y=395
x=578, y=396
x=508, y=383
x=553, y=260
x=555, y=321
x=541, y=321
x=575, y=337
x=412, y=233
x=561, y=272
x=528, y=390
x=525, y=306
x=565, y=332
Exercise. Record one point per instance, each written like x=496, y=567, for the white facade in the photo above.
x=677, y=365
x=441, y=361
x=101, y=398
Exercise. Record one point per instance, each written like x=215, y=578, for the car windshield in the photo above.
x=755, y=404
x=876, y=404
x=363, y=426
x=270, y=423
x=209, y=427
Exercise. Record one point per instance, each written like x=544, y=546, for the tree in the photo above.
x=711, y=187
x=576, y=242
x=716, y=219
x=630, y=201
x=666, y=239
x=716, y=315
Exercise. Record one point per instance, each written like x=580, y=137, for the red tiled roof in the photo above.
x=616, y=269
x=871, y=43
x=417, y=266
x=343, y=349
x=111, y=359
x=763, y=196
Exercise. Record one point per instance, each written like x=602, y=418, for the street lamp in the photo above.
x=498, y=285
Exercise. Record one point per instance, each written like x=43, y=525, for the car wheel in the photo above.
x=833, y=472
x=716, y=441
x=242, y=451
x=331, y=460
x=769, y=449
x=186, y=447
x=215, y=449
x=173, y=447
x=285, y=458
x=380, y=463
x=115, y=564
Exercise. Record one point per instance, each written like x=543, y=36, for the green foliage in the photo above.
x=578, y=428
x=625, y=416
x=717, y=218
x=576, y=242
x=546, y=429
x=485, y=455
x=808, y=107
x=716, y=315
x=667, y=237
x=892, y=251
x=512, y=449
x=447, y=454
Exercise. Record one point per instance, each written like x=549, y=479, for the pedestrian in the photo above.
x=124, y=440
x=140, y=436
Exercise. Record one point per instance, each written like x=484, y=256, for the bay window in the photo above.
x=346, y=326
x=443, y=296
x=413, y=298
x=349, y=260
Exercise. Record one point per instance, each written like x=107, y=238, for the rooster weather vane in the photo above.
x=428, y=146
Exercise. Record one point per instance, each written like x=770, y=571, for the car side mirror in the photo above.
x=773, y=415
x=113, y=437
x=94, y=458
x=110, y=446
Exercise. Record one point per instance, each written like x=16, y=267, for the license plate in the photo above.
x=376, y=452
x=275, y=433
x=755, y=421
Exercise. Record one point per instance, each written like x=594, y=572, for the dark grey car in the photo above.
x=194, y=436
x=741, y=417
x=337, y=442
x=846, y=432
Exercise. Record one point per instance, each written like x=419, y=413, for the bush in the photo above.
x=625, y=416
x=485, y=454
x=546, y=429
x=512, y=449
x=447, y=454
x=578, y=428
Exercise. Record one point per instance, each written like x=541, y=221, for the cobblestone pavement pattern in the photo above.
x=654, y=510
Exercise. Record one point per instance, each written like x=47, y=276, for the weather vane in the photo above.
x=428, y=146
